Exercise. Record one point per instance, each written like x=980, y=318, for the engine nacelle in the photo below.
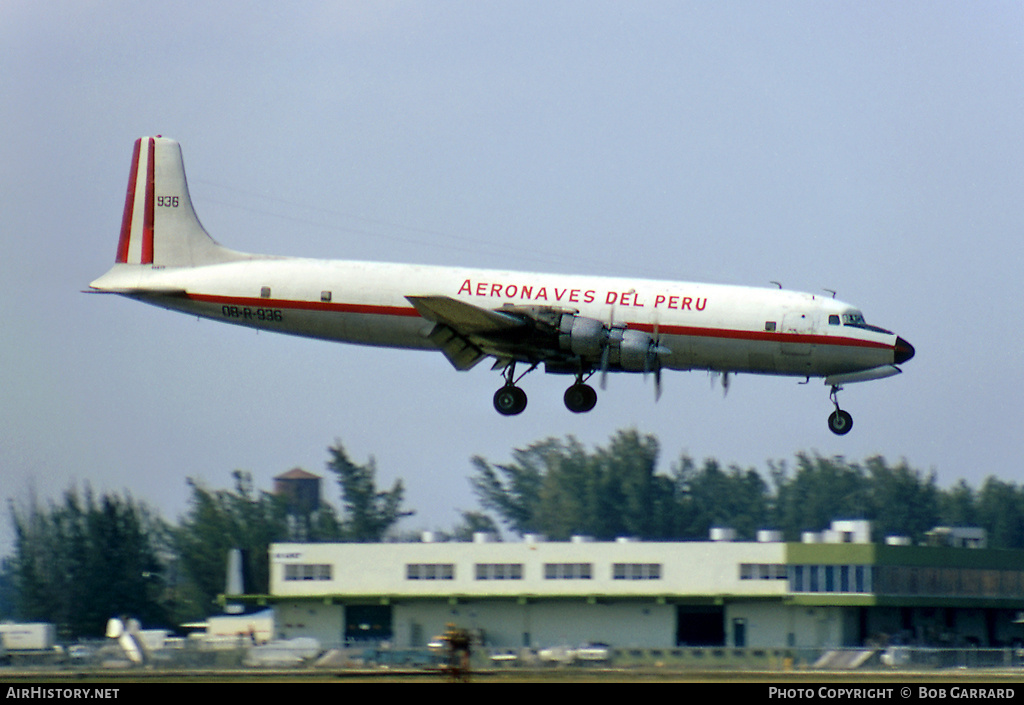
x=589, y=338
x=581, y=336
x=637, y=352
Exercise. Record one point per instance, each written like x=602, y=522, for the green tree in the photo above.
x=710, y=496
x=473, y=523
x=218, y=521
x=79, y=562
x=557, y=488
x=821, y=490
x=1000, y=510
x=368, y=513
x=901, y=502
x=513, y=491
x=958, y=505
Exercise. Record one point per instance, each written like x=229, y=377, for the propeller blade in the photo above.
x=604, y=367
x=657, y=350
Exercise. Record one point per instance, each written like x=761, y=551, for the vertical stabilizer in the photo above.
x=159, y=226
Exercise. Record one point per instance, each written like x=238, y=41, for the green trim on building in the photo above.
x=911, y=556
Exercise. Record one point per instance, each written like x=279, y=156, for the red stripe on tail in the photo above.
x=129, y=207
x=147, y=223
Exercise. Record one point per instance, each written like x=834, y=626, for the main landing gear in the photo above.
x=580, y=398
x=839, y=422
x=510, y=400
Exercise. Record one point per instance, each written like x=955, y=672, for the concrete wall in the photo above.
x=539, y=624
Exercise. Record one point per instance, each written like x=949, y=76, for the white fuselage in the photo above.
x=705, y=326
x=571, y=324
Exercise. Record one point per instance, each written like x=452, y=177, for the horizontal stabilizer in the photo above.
x=140, y=291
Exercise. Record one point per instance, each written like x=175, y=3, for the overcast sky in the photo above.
x=871, y=148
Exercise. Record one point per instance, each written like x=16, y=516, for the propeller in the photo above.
x=606, y=352
x=604, y=365
x=725, y=380
x=656, y=352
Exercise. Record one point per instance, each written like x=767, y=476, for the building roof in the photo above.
x=297, y=474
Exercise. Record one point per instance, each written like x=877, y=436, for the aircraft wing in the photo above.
x=465, y=318
x=466, y=333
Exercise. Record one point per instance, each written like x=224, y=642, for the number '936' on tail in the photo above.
x=159, y=226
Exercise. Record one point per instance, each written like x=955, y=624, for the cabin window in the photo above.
x=833, y=320
x=769, y=326
x=265, y=292
x=325, y=296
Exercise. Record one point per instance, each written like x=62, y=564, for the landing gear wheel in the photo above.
x=510, y=400
x=840, y=422
x=580, y=398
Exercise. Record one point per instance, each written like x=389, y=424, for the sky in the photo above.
x=869, y=148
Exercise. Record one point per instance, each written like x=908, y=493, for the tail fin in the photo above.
x=159, y=226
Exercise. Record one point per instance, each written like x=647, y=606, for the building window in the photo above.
x=568, y=571
x=636, y=571
x=499, y=571
x=830, y=578
x=430, y=571
x=303, y=571
x=763, y=571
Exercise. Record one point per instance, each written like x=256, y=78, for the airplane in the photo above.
x=574, y=325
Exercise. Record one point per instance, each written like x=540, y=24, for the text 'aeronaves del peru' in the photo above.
x=554, y=294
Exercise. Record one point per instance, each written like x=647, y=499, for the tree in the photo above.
x=219, y=521
x=368, y=514
x=710, y=496
x=901, y=502
x=557, y=488
x=821, y=490
x=473, y=523
x=513, y=491
x=1000, y=511
x=958, y=505
x=82, y=561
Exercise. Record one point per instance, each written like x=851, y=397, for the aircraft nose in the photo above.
x=903, y=351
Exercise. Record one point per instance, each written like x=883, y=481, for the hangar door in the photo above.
x=700, y=626
x=367, y=623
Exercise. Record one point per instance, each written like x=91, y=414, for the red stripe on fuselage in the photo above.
x=762, y=336
x=129, y=207
x=305, y=305
x=408, y=312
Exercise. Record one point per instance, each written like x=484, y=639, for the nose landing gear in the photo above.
x=839, y=422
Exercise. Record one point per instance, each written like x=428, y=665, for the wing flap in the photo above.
x=460, y=351
x=461, y=328
x=464, y=318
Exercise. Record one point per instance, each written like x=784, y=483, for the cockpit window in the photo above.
x=856, y=320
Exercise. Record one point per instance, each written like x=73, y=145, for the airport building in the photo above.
x=831, y=590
